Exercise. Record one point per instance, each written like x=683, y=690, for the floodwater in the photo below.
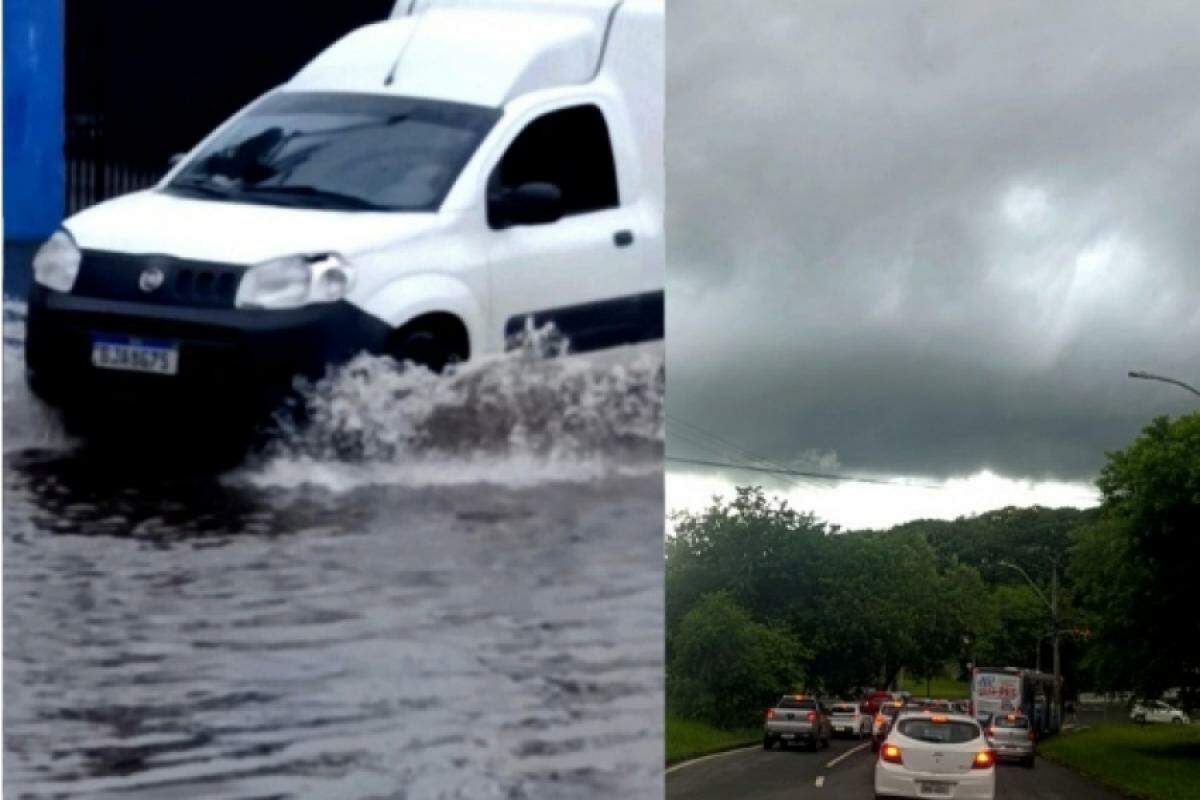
x=443, y=588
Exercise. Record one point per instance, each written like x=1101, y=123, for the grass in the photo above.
x=941, y=688
x=688, y=738
x=1155, y=762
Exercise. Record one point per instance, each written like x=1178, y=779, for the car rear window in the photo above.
x=889, y=711
x=792, y=702
x=844, y=709
x=947, y=732
x=1017, y=722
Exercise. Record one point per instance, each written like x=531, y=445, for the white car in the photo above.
x=1158, y=711
x=849, y=719
x=936, y=756
x=425, y=188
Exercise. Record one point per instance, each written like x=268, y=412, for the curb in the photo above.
x=696, y=758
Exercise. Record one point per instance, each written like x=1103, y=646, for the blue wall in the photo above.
x=34, y=181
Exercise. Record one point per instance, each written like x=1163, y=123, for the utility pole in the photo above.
x=1052, y=604
x=1057, y=663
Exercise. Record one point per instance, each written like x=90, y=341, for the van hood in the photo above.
x=153, y=222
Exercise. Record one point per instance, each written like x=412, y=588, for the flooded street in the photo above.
x=444, y=588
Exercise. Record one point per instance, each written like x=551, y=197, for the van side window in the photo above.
x=569, y=148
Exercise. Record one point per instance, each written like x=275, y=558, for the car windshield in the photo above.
x=944, y=732
x=1016, y=722
x=340, y=151
x=792, y=702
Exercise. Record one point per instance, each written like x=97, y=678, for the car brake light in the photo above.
x=991, y=730
x=770, y=713
x=812, y=716
x=879, y=719
x=1033, y=736
x=983, y=759
x=891, y=754
x=938, y=718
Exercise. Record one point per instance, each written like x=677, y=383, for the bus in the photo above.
x=1010, y=690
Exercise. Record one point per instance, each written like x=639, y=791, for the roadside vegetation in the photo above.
x=764, y=599
x=943, y=688
x=1155, y=762
x=687, y=738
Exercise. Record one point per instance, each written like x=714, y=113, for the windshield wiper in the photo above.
x=332, y=199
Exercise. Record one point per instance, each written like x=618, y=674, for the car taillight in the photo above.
x=891, y=754
x=770, y=712
x=991, y=731
x=983, y=759
x=812, y=716
x=1033, y=736
x=879, y=720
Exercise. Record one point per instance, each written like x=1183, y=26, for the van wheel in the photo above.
x=767, y=743
x=428, y=344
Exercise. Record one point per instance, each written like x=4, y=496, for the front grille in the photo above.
x=186, y=282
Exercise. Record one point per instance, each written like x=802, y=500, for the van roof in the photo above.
x=466, y=53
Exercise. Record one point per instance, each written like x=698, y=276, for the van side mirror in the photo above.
x=528, y=204
x=174, y=160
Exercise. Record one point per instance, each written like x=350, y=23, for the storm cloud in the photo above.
x=931, y=238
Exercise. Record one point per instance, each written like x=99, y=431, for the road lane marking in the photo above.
x=669, y=770
x=820, y=781
x=846, y=755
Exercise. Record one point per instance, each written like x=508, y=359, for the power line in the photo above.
x=725, y=449
x=740, y=453
x=826, y=476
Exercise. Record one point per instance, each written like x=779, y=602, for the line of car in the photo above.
x=926, y=747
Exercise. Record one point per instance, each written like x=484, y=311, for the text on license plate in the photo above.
x=935, y=789
x=133, y=354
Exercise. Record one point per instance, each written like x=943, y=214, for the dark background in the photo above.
x=146, y=79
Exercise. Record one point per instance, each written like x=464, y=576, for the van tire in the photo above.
x=767, y=743
x=434, y=343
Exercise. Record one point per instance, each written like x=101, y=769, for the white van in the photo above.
x=425, y=188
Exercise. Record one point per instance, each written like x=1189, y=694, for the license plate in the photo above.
x=936, y=789
x=132, y=354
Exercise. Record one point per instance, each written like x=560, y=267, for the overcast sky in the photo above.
x=927, y=241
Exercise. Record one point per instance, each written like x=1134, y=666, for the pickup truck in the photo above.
x=796, y=718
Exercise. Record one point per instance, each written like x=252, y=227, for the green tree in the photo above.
x=725, y=667
x=1136, y=568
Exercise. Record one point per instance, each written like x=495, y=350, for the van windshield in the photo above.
x=340, y=151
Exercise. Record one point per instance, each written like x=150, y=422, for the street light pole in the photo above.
x=1052, y=604
x=1149, y=376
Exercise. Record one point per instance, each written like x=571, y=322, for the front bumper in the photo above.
x=236, y=358
x=893, y=780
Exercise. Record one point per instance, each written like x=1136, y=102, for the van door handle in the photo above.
x=623, y=238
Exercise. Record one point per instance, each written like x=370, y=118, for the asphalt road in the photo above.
x=846, y=772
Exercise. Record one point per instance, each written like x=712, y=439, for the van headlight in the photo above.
x=56, y=265
x=295, y=281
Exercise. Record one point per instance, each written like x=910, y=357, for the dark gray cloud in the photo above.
x=932, y=237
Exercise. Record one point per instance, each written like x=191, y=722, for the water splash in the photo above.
x=524, y=417
x=532, y=415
